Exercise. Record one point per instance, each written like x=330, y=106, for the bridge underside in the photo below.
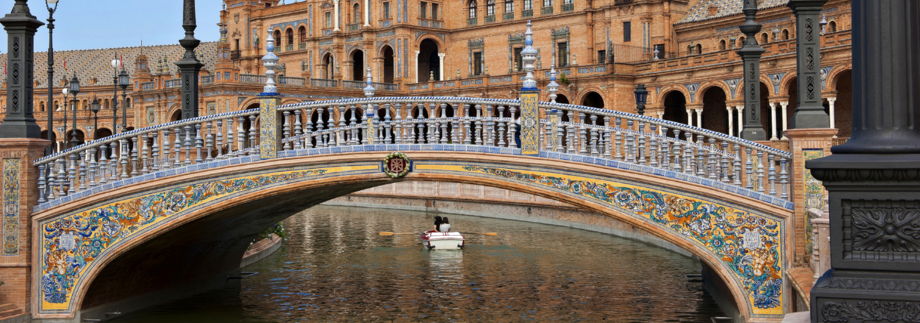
x=176, y=230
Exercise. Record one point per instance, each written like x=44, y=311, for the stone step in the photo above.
x=9, y=311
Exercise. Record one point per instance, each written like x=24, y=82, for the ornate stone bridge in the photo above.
x=114, y=215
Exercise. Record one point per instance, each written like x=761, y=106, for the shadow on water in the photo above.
x=335, y=267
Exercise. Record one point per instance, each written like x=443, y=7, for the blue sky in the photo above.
x=89, y=24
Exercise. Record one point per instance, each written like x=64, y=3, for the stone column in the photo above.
x=367, y=13
x=415, y=79
x=874, y=179
x=740, y=110
x=660, y=116
x=750, y=54
x=699, y=118
x=809, y=112
x=830, y=102
x=784, y=105
x=731, y=125
x=20, y=26
x=441, y=66
x=335, y=15
x=690, y=117
x=773, y=121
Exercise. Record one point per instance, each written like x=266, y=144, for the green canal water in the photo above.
x=335, y=267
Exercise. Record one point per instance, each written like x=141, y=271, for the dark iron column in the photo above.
x=49, y=107
x=750, y=54
x=874, y=179
x=189, y=66
x=20, y=27
x=809, y=111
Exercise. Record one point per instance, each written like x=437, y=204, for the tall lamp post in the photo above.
x=64, y=91
x=52, y=7
x=95, y=117
x=641, y=96
x=115, y=63
x=74, y=89
x=123, y=81
x=750, y=53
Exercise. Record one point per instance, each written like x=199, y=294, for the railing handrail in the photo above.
x=133, y=133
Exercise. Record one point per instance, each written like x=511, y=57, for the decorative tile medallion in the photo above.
x=396, y=165
x=70, y=244
x=814, y=195
x=750, y=245
x=10, y=222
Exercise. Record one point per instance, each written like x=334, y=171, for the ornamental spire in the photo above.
x=270, y=62
x=529, y=56
x=369, y=90
x=552, y=86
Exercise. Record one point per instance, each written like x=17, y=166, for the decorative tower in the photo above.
x=809, y=112
x=530, y=139
x=270, y=119
x=189, y=66
x=750, y=54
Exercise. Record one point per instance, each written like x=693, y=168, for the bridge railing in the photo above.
x=662, y=147
x=145, y=151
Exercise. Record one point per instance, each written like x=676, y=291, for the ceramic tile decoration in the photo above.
x=700, y=12
x=750, y=245
x=11, y=200
x=814, y=195
x=268, y=145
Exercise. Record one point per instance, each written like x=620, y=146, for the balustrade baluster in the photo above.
x=439, y=126
x=387, y=126
x=177, y=146
x=467, y=137
x=241, y=134
x=50, y=184
x=664, y=148
x=772, y=171
x=398, y=123
x=501, y=126
x=607, y=140
x=560, y=132
x=512, y=127
x=456, y=132
x=618, y=140
x=83, y=170
x=713, y=161
x=548, y=132
x=166, y=151
x=187, y=145
x=72, y=174
x=689, y=161
x=653, y=145
x=120, y=161
x=134, y=169
x=199, y=142
x=145, y=154
x=594, y=136
x=42, y=181
x=677, y=151
x=700, y=155
x=583, y=134
x=339, y=127
x=92, y=167
x=642, y=143
x=783, y=178
x=209, y=140
x=736, y=163
x=253, y=149
x=478, y=124
x=113, y=161
x=286, y=130
x=630, y=148
x=298, y=130
x=155, y=163
x=308, y=129
x=103, y=164
x=410, y=125
x=749, y=168
x=354, y=123
x=62, y=176
x=760, y=173
x=725, y=163
x=570, y=134
x=220, y=139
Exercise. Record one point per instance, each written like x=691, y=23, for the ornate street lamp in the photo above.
x=823, y=24
x=124, y=80
x=641, y=96
x=52, y=7
x=95, y=118
x=74, y=89
x=115, y=63
x=64, y=91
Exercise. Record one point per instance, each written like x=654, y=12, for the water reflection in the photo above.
x=335, y=267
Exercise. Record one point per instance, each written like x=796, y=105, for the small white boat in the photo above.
x=442, y=241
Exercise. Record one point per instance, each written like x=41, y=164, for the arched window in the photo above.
x=356, y=16
x=785, y=34
x=832, y=26
x=764, y=38
x=472, y=9
x=290, y=36
x=740, y=41
x=303, y=34
x=722, y=44
x=490, y=8
x=699, y=49
x=277, y=35
x=509, y=6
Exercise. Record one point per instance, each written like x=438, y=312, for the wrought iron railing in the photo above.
x=148, y=86
x=207, y=79
x=171, y=83
x=323, y=83
x=527, y=13
x=546, y=11
x=253, y=79
x=472, y=22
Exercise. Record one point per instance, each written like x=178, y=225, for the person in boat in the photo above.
x=437, y=223
x=445, y=225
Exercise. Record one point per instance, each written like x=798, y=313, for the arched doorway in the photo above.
x=675, y=107
x=44, y=135
x=715, y=116
x=277, y=36
x=428, y=61
x=81, y=138
x=592, y=99
x=176, y=116
x=388, y=65
x=766, y=120
x=843, y=107
x=793, y=101
x=102, y=133
x=357, y=65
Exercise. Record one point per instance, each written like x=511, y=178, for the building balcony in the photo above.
x=472, y=21
x=568, y=7
x=234, y=54
x=527, y=13
x=172, y=83
x=508, y=16
x=546, y=11
x=354, y=27
x=207, y=79
x=490, y=19
x=302, y=46
x=290, y=47
x=148, y=86
x=324, y=83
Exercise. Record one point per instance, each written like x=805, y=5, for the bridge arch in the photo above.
x=206, y=218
